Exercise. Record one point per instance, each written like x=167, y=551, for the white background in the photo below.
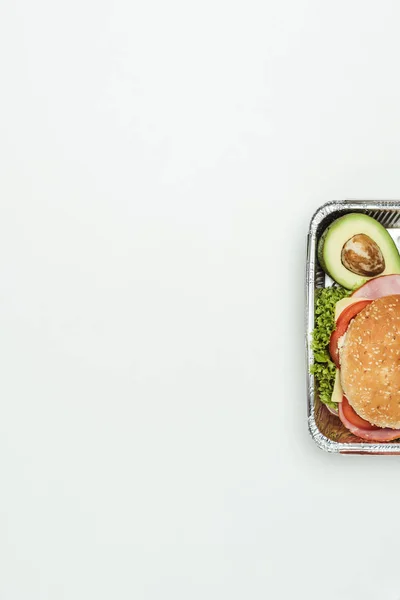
x=159, y=165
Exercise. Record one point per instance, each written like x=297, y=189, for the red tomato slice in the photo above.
x=351, y=415
x=341, y=327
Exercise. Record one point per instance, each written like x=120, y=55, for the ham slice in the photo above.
x=386, y=285
x=377, y=435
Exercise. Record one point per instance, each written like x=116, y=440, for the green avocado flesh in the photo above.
x=339, y=233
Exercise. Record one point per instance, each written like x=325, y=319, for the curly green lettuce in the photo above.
x=323, y=368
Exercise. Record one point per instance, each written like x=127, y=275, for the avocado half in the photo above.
x=344, y=238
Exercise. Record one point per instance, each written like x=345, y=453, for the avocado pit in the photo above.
x=362, y=256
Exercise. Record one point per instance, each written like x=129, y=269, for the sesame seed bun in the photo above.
x=370, y=362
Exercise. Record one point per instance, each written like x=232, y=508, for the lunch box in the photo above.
x=326, y=429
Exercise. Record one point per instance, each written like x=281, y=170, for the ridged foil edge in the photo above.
x=321, y=213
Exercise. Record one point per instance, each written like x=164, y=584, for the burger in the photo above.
x=365, y=347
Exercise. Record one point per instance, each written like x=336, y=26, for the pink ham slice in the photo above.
x=386, y=285
x=377, y=435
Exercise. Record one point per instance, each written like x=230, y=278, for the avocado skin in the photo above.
x=320, y=251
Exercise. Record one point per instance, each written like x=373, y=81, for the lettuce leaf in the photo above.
x=323, y=368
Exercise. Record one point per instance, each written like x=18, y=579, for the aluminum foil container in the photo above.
x=326, y=429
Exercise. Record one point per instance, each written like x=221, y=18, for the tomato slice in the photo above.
x=341, y=327
x=354, y=418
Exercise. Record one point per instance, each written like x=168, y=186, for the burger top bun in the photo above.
x=370, y=362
